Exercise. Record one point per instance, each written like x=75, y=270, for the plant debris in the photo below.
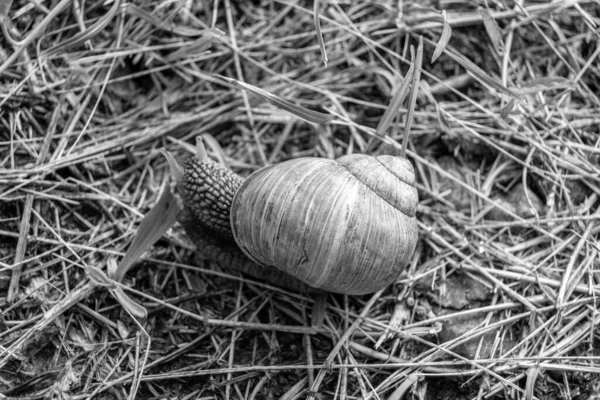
x=504, y=128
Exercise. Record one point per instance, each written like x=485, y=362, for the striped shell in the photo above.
x=345, y=226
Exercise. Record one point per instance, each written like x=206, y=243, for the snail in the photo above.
x=344, y=226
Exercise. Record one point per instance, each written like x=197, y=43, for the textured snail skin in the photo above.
x=345, y=226
x=207, y=190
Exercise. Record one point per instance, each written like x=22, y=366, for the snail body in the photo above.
x=345, y=226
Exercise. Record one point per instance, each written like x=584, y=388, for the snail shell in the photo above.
x=345, y=226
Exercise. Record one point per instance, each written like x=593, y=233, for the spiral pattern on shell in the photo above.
x=345, y=226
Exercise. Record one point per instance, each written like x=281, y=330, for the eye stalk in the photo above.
x=201, y=154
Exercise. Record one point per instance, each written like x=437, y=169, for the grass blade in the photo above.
x=160, y=218
x=301, y=112
x=412, y=98
x=492, y=29
x=480, y=74
x=319, y=33
x=532, y=374
x=135, y=310
x=392, y=110
x=86, y=35
x=444, y=38
x=544, y=84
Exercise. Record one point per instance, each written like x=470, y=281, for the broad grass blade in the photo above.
x=544, y=84
x=532, y=374
x=480, y=74
x=198, y=47
x=137, y=311
x=444, y=38
x=507, y=109
x=160, y=218
x=404, y=387
x=304, y=113
x=98, y=276
x=492, y=29
x=412, y=97
x=392, y=110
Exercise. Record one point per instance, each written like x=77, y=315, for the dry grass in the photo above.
x=91, y=90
